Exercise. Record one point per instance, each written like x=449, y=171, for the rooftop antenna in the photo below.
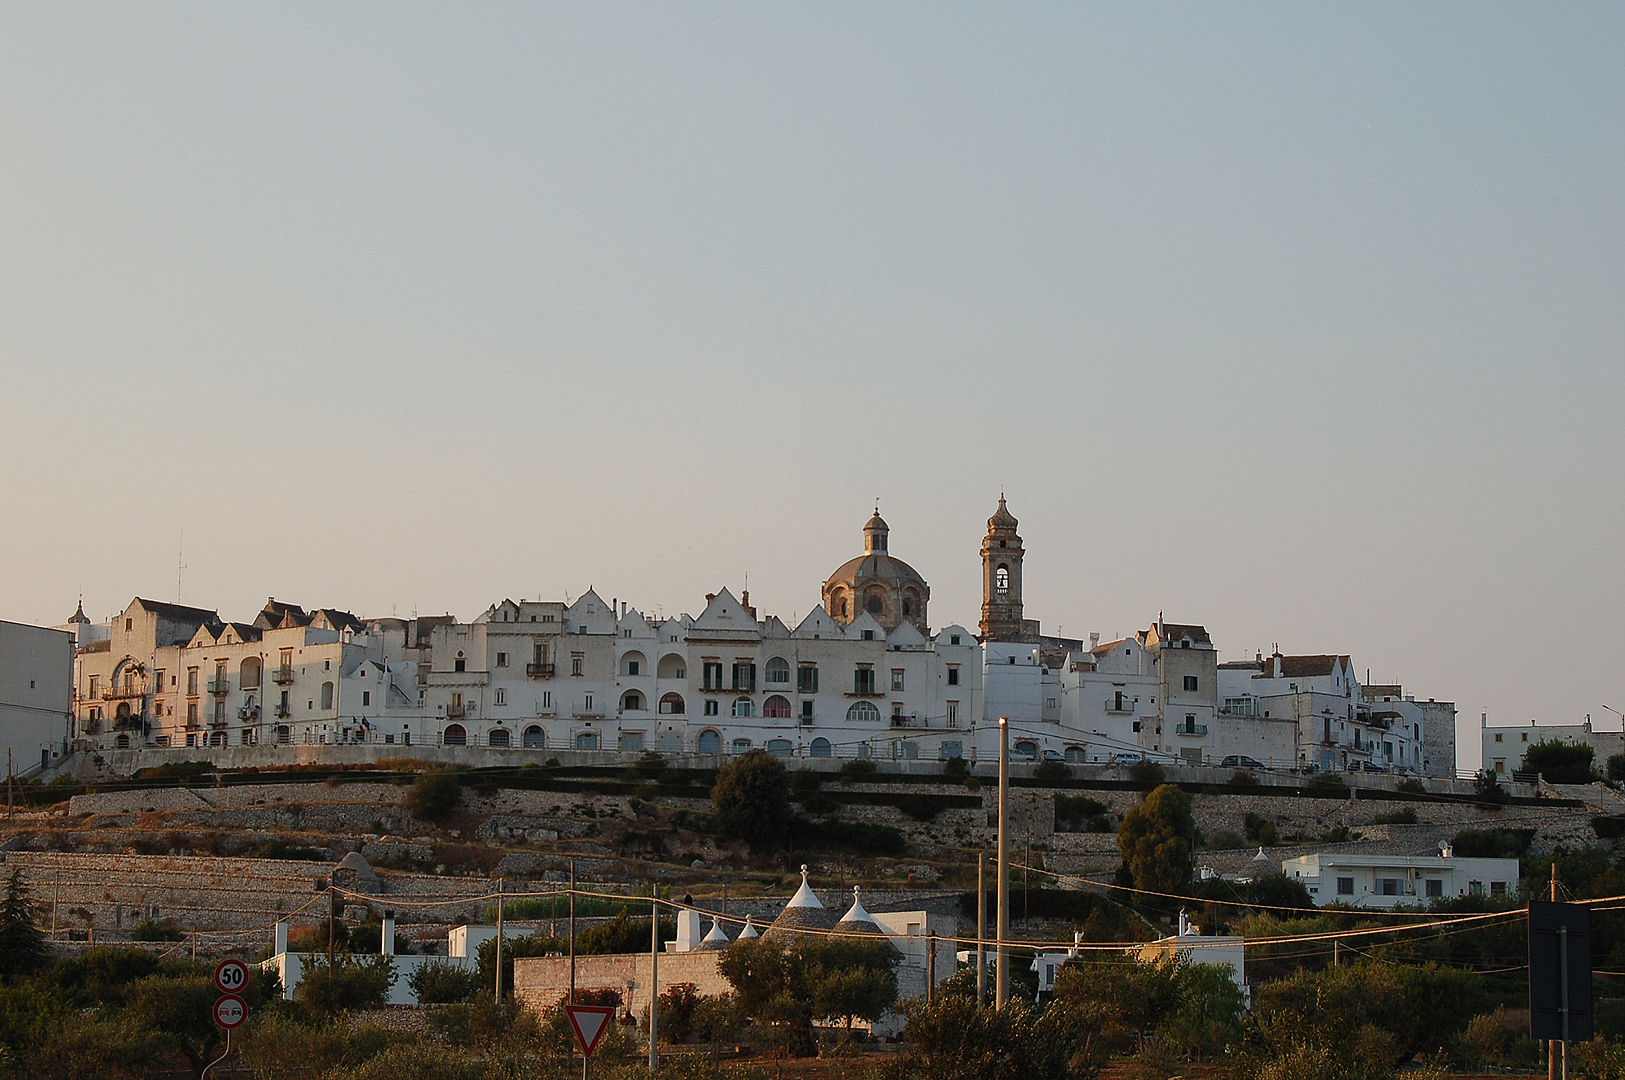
x=180, y=565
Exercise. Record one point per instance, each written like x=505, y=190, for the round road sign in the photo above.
x=230, y=976
x=230, y=1011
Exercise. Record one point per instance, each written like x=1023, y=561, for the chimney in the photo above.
x=710, y=596
x=1094, y=640
x=280, y=944
x=387, y=938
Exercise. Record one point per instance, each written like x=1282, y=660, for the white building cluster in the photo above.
x=864, y=675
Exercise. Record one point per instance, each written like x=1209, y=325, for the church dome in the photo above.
x=876, y=582
x=1002, y=520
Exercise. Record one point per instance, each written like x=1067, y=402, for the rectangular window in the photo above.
x=1051, y=703
x=863, y=680
x=547, y=699
x=499, y=696
x=1498, y=888
x=459, y=665
x=575, y=663
x=953, y=714
x=1475, y=888
x=953, y=639
x=712, y=674
x=806, y=710
x=1190, y=682
x=710, y=706
x=191, y=681
x=220, y=712
x=744, y=675
x=807, y=679
x=366, y=697
x=632, y=667
x=1434, y=887
x=896, y=680
x=1136, y=725
x=502, y=659
x=94, y=679
x=587, y=703
x=896, y=712
x=191, y=712
x=1497, y=736
x=953, y=674
x=1390, y=886
x=1345, y=886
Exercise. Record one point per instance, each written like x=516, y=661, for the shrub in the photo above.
x=1412, y=786
x=1329, y=781
x=1051, y=771
x=1146, y=772
x=860, y=837
x=1487, y=788
x=1492, y=843
x=1080, y=813
x=1406, y=816
x=439, y=983
x=1225, y=840
x=957, y=769
x=1561, y=762
x=1243, y=778
x=857, y=769
x=351, y=984
x=805, y=784
x=1260, y=830
x=151, y=930
x=434, y=795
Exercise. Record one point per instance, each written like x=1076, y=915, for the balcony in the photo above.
x=282, y=712
x=282, y=676
x=114, y=693
x=540, y=671
x=217, y=723
x=456, y=712
x=1191, y=729
x=911, y=721
x=219, y=687
x=248, y=712
x=1120, y=708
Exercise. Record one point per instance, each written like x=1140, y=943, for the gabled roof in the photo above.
x=906, y=635
x=334, y=619
x=178, y=612
x=818, y=624
x=1167, y=632
x=1106, y=646
x=724, y=613
x=865, y=621
x=1304, y=667
x=773, y=627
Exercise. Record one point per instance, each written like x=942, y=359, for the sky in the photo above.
x=1303, y=322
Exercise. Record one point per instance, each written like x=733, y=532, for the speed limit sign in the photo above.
x=230, y=976
x=230, y=1011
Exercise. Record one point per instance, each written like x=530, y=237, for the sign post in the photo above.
x=1560, y=974
x=589, y=1022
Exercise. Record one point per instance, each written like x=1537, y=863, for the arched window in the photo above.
x=455, y=735
x=1026, y=751
x=1001, y=580
x=633, y=663
x=743, y=707
x=779, y=747
x=587, y=740
x=673, y=666
x=249, y=673
x=631, y=701
x=499, y=738
x=122, y=742
x=778, y=672
x=534, y=738
x=671, y=704
x=327, y=695
x=217, y=738
x=1075, y=754
x=776, y=707
x=741, y=746
x=864, y=711
x=820, y=748
x=710, y=742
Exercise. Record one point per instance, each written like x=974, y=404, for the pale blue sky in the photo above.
x=1303, y=322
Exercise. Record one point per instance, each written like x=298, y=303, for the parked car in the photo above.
x=1241, y=761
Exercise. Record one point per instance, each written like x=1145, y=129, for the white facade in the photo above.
x=36, y=694
x=1386, y=881
x=1503, y=748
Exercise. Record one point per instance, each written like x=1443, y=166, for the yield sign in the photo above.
x=590, y=1023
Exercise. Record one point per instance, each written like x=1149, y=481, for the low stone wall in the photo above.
x=542, y=982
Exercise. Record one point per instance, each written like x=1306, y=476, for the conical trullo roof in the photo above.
x=858, y=921
x=749, y=931
x=803, y=912
x=1259, y=866
x=716, y=940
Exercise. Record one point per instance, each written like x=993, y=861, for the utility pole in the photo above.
x=573, y=937
x=499, y=942
x=332, y=911
x=654, y=981
x=930, y=968
x=981, y=928
x=1551, y=1044
x=1001, y=955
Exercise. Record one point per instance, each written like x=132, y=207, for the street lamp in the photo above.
x=1001, y=953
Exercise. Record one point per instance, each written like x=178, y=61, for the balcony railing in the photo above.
x=219, y=687
x=456, y=712
x=1191, y=729
x=248, y=712
x=114, y=693
x=1121, y=707
x=540, y=671
x=282, y=712
x=282, y=675
x=911, y=721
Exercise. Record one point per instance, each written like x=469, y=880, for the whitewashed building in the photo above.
x=1386, y=881
x=1503, y=748
x=36, y=694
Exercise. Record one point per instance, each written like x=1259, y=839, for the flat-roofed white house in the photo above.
x=1386, y=881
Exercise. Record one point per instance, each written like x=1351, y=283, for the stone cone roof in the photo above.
x=1259, y=866
x=749, y=931
x=858, y=921
x=804, y=912
x=716, y=940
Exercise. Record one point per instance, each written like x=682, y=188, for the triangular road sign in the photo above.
x=590, y=1022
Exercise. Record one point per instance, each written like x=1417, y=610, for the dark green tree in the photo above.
x=1158, y=841
x=1561, y=762
x=751, y=795
x=434, y=795
x=22, y=946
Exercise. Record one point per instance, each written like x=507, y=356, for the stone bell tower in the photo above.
x=1001, y=579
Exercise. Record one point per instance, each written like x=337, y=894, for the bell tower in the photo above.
x=1001, y=578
